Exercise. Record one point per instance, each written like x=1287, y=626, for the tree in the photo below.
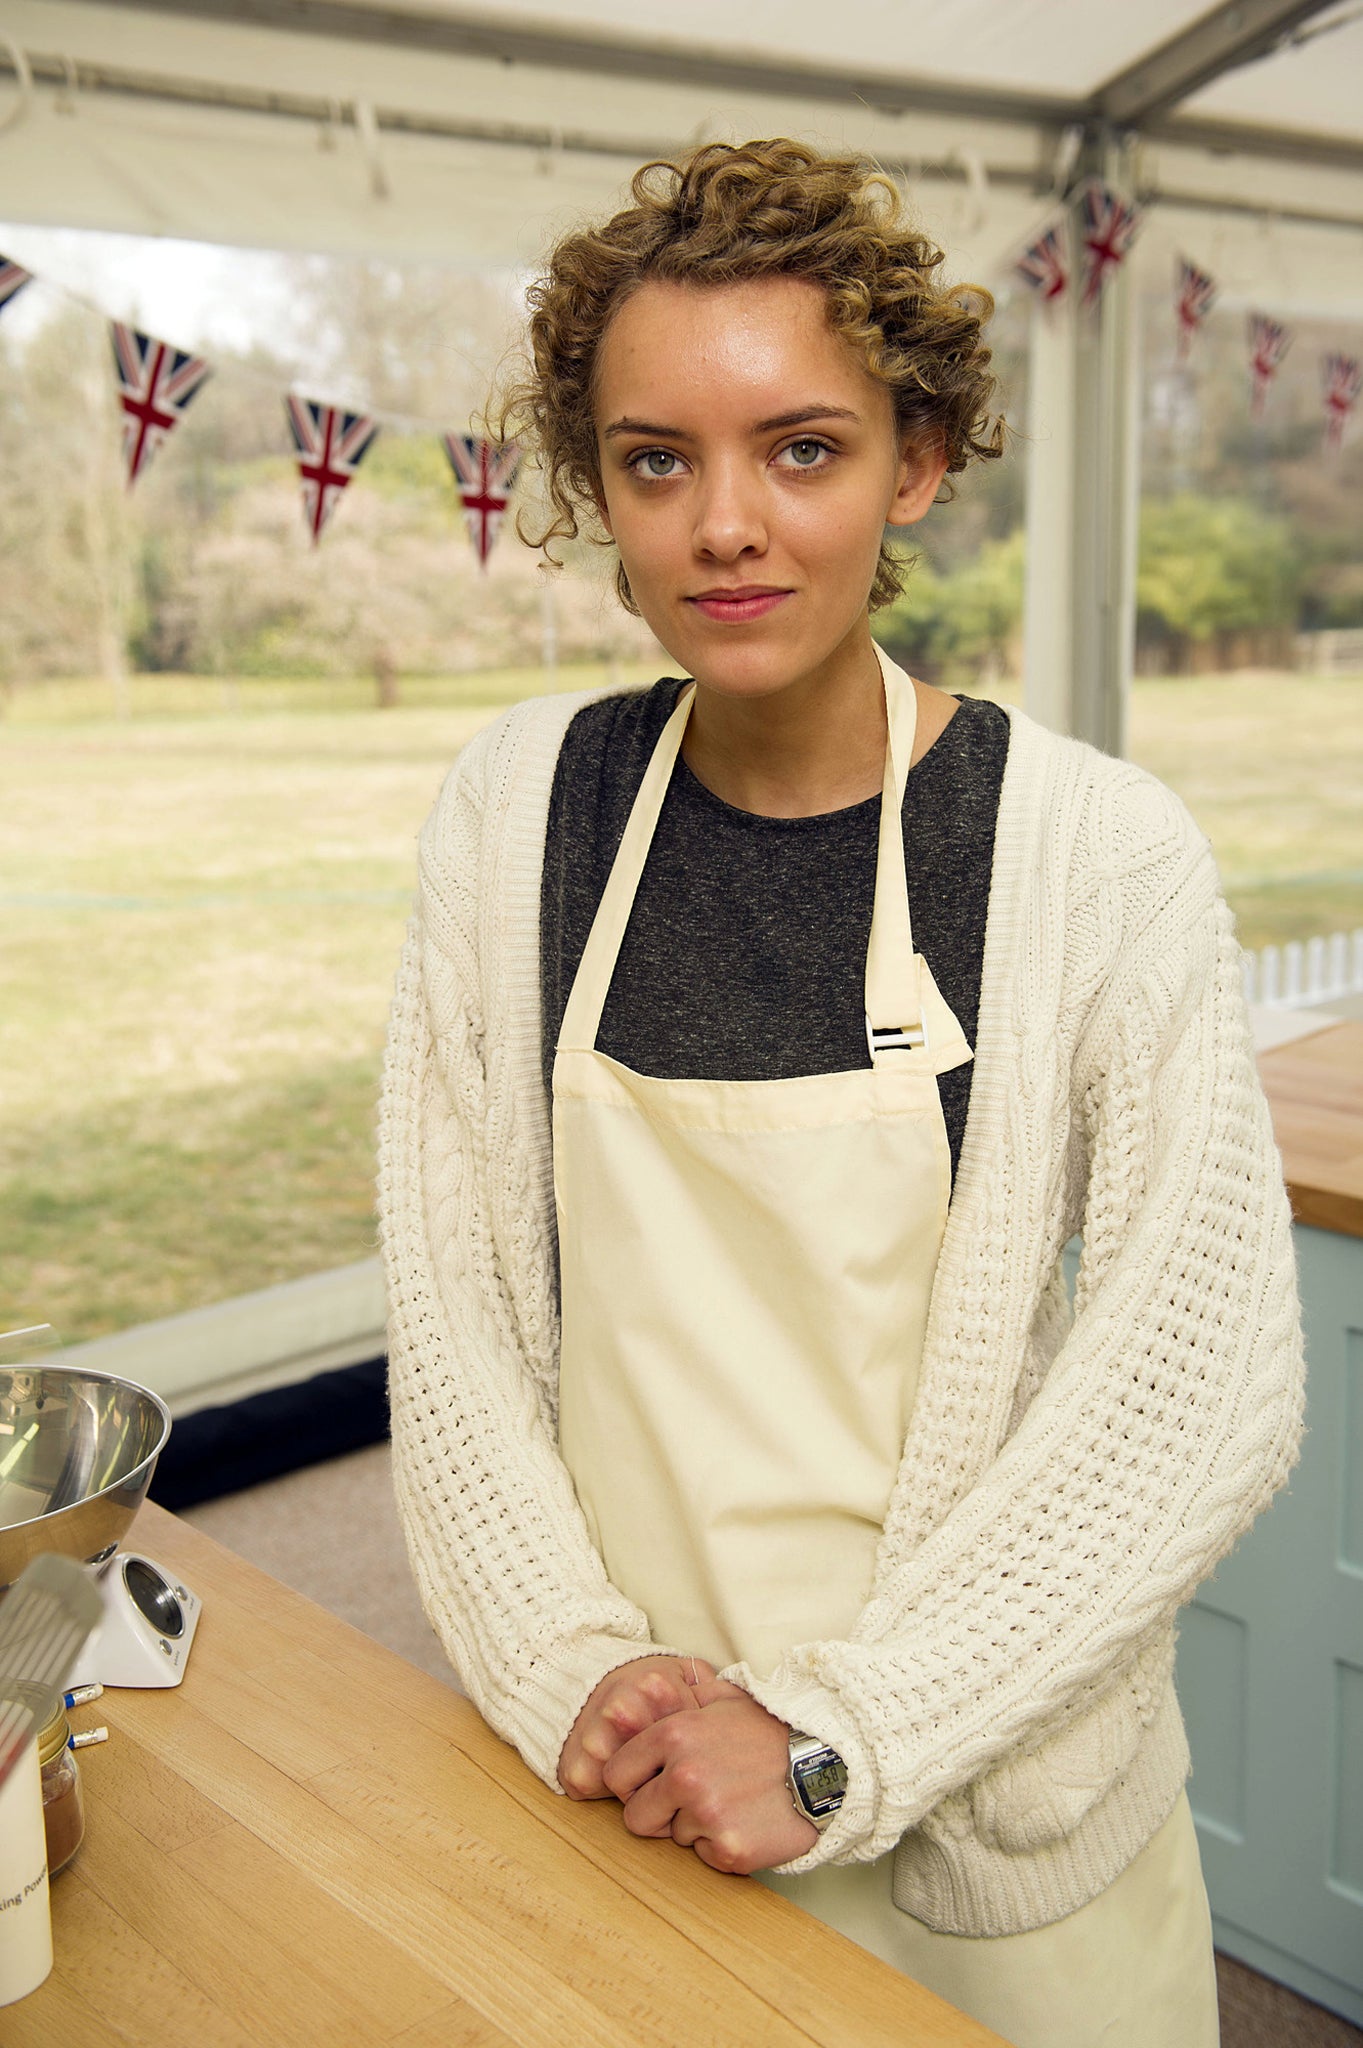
x=1198, y=438
x=66, y=537
x=962, y=626
x=1210, y=568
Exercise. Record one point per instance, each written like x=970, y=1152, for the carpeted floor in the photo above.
x=331, y=1532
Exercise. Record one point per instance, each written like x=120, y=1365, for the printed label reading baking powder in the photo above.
x=17, y=1898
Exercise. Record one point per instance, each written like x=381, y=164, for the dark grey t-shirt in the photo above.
x=745, y=954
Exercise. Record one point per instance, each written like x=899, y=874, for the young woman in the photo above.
x=760, y=1042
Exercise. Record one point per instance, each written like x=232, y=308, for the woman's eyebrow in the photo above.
x=628, y=426
x=800, y=418
x=805, y=416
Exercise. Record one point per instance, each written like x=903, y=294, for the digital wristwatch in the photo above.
x=816, y=1777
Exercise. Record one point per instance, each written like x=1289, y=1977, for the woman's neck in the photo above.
x=802, y=752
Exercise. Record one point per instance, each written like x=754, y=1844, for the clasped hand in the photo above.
x=700, y=1761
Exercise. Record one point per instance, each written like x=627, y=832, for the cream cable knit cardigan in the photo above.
x=1004, y=1701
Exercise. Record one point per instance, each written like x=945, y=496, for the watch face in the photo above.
x=822, y=1779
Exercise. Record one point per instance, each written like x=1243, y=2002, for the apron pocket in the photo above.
x=1043, y=1794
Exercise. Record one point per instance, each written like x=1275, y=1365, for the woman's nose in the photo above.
x=730, y=512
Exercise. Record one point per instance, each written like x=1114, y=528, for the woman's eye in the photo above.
x=653, y=462
x=806, y=454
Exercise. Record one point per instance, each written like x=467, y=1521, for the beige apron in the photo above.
x=746, y=1269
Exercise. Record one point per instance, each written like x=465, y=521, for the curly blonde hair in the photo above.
x=725, y=213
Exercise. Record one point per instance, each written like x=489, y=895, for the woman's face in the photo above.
x=749, y=464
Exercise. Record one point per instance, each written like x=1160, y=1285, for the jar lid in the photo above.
x=53, y=1739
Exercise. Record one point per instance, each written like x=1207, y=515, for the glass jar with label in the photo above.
x=63, y=1806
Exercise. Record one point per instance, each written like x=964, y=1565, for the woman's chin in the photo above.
x=765, y=667
x=740, y=661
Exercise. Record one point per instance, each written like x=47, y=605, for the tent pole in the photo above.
x=1083, y=499
x=1048, y=600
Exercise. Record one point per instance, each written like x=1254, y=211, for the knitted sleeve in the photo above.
x=1167, y=1419
x=506, y=1570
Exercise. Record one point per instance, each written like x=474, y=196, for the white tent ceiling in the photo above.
x=424, y=130
x=1054, y=49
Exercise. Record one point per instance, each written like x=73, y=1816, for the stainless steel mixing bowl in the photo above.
x=77, y=1451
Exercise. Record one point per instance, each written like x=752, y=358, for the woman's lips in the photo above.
x=737, y=609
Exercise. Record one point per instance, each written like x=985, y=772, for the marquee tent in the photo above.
x=421, y=130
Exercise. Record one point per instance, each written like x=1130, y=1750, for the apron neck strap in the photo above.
x=893, y=1002
x=587, y=998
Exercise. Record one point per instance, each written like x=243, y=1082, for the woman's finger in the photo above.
x=722, y=1855
x=685, y=1830
x=708, y=1690
x=653, y=1809
x=638, y=1704
x=628, y=1700
x=580, y=1774
x=638, y=1761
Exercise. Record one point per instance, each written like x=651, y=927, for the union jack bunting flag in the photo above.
x=1108, y=225
x=13, y=278
x=485, y=472
x=1045, y=263
x=331, y=446
x=1341, y=380
x=155, y=385
x=1269, y=342
x=1194, y=297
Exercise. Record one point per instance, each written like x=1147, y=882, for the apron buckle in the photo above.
x=895, y=1037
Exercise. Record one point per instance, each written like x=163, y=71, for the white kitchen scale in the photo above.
x=148, y=1626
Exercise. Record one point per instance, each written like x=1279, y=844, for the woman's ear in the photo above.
x=921, y=469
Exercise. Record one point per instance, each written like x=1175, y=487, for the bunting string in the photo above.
x=1085, y=243
x=1194, y=297
x=1342, y=381
x=13, y=278
x=1080, y=248
x=485, y=476
x=156, y=383
x=1044, y=265
x=331, y=445
x=1108, y=225
x=1269, y=341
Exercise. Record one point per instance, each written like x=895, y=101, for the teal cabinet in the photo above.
x=1270, y=1676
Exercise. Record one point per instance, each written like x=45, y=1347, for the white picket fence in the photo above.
x=1305, y=972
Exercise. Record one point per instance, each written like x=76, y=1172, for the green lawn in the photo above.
x=1271, y=766
x=201, y=907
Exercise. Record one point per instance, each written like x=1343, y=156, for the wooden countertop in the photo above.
x=310, y=1841
x=1315, y=1090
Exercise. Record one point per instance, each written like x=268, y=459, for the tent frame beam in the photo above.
x=1249, y=138
x=1236, y=33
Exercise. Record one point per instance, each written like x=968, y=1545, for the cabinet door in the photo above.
x=1270, y=1676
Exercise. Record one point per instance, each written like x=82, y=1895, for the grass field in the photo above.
x=201, y=908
